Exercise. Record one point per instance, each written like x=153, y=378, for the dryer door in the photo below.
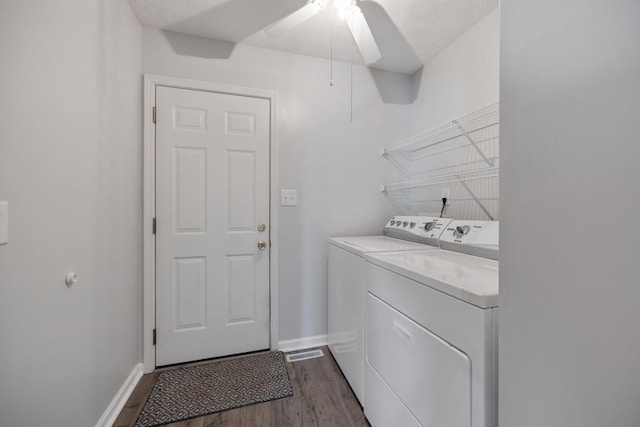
x=430, y=377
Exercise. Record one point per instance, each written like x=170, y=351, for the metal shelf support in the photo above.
x=473, y=144
x=472, y=194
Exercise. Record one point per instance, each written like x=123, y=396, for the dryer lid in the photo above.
x=469, y=278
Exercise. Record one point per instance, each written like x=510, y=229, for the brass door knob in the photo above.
x=262, y=245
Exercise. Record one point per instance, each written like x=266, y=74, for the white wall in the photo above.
x=70, y=167
x=334, y=164
x=569, y=267
x=462, y=78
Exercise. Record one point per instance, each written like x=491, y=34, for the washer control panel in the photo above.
x=478, y=238
x=421, y=229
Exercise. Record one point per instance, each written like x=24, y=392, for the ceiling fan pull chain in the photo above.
x=331, y=53
x=351, y=88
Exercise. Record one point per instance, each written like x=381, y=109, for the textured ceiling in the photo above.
x=408, y=32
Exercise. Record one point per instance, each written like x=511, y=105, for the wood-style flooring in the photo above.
x=321, y=397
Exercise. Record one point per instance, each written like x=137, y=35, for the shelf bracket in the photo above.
x=401, y=202
x=466, y=187
x=398, y=165
x=473, y=144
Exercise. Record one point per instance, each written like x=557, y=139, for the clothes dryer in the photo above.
x=431, y=332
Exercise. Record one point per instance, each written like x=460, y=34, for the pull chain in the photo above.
x=331, y=52
x=351, y=84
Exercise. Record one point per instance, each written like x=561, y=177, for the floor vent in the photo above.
x=311, y=354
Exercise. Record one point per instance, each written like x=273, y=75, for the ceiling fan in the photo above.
x=347, y=10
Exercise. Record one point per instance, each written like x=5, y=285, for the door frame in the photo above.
x=151, y=81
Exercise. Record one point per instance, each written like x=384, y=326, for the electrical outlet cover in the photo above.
x=288, y=197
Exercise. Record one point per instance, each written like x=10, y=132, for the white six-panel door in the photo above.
x=212, y=195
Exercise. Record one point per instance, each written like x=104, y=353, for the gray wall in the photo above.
x=570, y=195
x=71, y=168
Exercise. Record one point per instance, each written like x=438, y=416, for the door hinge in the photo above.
x=154, y=337
x=154, y=114
x=154, y=225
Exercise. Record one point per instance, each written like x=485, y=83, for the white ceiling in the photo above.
x=408, y=32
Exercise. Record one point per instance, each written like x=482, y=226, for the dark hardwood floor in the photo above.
x=321, y=397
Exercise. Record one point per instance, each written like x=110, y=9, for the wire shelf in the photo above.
x=475, y=150
x=442, y=179
x=461, y=157
x=476, y=121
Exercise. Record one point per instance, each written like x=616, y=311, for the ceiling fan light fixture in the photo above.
x=289, y=22
x=320, y=4
x=344, y=8
x=350, y=12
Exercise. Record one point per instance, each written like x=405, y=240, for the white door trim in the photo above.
x=149, y=203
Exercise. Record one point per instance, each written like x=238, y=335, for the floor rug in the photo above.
x=199, y=390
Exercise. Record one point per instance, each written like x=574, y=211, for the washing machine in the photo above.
x=346, y=292
x=431, y=332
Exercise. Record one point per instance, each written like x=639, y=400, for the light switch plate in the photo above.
x=4, y=223
x=288, y=197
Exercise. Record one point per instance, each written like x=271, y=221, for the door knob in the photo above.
x=262, y=245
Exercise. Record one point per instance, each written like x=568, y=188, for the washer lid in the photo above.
x=468, y=278
x=362, y=245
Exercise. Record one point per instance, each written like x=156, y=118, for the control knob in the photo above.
x=429, y=226
x=404, y=224
x=461, y=231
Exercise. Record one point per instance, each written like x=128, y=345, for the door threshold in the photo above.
x=205, y=361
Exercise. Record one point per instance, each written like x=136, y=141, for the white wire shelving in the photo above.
x=491, y=172
x=459, y=151
x=463, y=126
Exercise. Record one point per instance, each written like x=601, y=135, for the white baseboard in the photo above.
x=120, y=399
x=303, y=343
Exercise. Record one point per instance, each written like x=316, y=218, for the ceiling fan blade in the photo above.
x=289, y=22
x=363, y=36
